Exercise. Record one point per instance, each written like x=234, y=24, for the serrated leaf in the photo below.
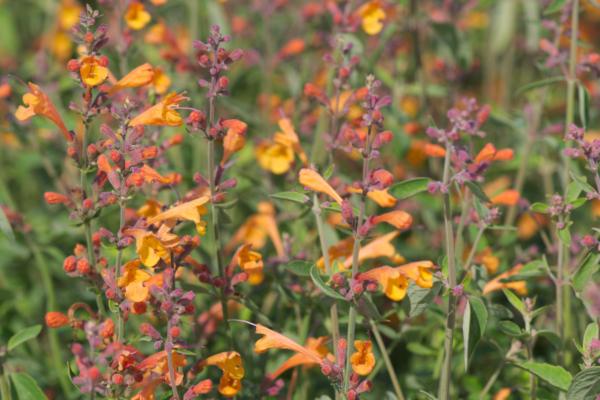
x=315, y=275
x=294, y=197
x=408, y=188
x=299, y=267
x=26, y=387
x=585, y=385
x=23, y=336
x=552, y=374
x=584, y=274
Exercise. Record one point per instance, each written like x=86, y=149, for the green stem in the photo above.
x=117, y=271
x=5, y=387
x=444, y=389
x=386, y=359
x=355, y=252
x=333, y=311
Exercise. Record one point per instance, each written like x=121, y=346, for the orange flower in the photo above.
x=251, y=263
x=92, y=72
x=275, y=340
x=152, y=247
x=150, y=208
x=289, y=137
x=397, y=218
x=393, y=282
x=55, y=319
x=496, y=284
x=38, y=103
x=163, y=113
x=419, y=272
x=133, y=279
x=256, y=228
x=315, y=182
x=362, y=360
x=161, y=81
x=68, y=14
x=490, y=153
x=506, y=198
x=156, y=371
x=191, y=211
x=435, y=151
x=230, y=363
x=136, y=16
x=316, y=344
x=234, y=139
x=140, y=76
x=379, y=247
x=372, y=17
x=341, y=249
x=275, y=157
x=381, y=197
x=292, y=47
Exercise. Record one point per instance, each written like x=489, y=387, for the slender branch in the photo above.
x=386, y=359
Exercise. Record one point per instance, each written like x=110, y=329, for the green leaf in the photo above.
x=583, y=183
x=591, y=333
x=26, y=387
x=477, y=191
x=299, y=267
x=585, y=385
x=514, y=300
x=552, y=374
x=539, y=84
x=555, y=6
x=565, y=235
x=318, y=281
x=408, y=188
x=584, y=274
x=573, y=191
x=420, y=298
x=474, y=323
x=23, y=336
x=552, y=337
x=584, y=105
x=539, y=208
x=510, y=328
x=294, y=197
x=5, y=226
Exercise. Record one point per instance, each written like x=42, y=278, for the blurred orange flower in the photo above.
x=372, y=17
x=139, y=76
x=251, y=263
x=256, y=228
x=163, y=113
x=363, y=360
x=312, y=180
x=191, y=210
x=136, y=16
x=496, y=284
x=230, y=362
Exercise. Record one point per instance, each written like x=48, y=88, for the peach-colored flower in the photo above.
x=251, y=263
x=363, y=360
x=92, y=71
x=136, y=16
x=312, y=180
x=256, y=229
x=38, y=103
x=316, y=344
x=379, y=247
x=392, y=281
x=191, y=211
x=397, y=218
x=496, y=284
x=234, y=139
x=164, y=113
x=230, y=362
x=140, y=76
x=275, y=340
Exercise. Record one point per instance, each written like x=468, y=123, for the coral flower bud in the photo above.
x=73, y=65
x=83, y=266
x=175, y=331
x=117, y=379
x=108, y=328
x=70, y=264
x=87, y=204
x=56, y=198
x=55, y=319
x=381, y=178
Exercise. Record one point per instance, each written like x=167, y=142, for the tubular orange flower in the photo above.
x=275, y=340
x=363, y=360
x=288, y=136
x=68, y=14
x=506, y=198
x=251, y=263
x=256, y=228
x=341, y=249
x=292, y=47
x=234, y=139
x=150, y=247
x=163, y=113
x=190, y=211
x=140, y=76
x=230, y=363
x=419, y=272
x=392, y=281
x=92, y=72
x=55, y=319
x=38, y=103
x=133, y=279
x=490, y=153
x=372, y=16
x=316, y=344
x=496, y=284
x=379, y=247
x=397, y=218
x=382, y=198
x=312, y=180
x=434, y=150
x=136, y=16
x=275, y=157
